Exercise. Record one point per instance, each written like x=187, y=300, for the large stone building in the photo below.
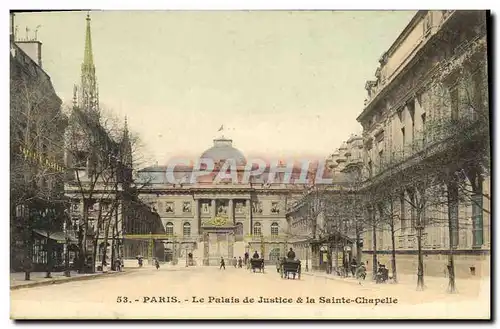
x=214, y=219
x=426, y=134
x=419, y=174
x=36, y=159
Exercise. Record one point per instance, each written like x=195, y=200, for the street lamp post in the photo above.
x=186, y=252
x=67, y=272
x=307, y=258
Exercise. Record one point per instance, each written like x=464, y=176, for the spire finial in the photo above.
x=75, y=89
x=126, y=124
x=88, y=58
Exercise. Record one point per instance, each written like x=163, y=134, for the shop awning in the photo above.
x=57, y=236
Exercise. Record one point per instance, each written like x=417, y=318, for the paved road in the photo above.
x=178, y=293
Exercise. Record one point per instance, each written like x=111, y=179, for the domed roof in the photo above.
x=223, y=150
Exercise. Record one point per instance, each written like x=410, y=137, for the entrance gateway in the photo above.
x=218, y=240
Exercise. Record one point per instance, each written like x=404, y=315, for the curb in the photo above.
x=70, y=279
x=334, y=279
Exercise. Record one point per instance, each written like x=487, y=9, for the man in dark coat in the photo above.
x=291, y=254
x=222, y=264
x=255, y=255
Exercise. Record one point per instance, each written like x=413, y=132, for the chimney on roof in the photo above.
x=30, y=45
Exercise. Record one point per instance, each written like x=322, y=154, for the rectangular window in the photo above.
x=477, y=220
x=477, y=105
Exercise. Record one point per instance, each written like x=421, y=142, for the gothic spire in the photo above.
x=89, y=97
x=126, y=146
x=88, y=57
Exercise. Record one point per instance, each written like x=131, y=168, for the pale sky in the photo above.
x=285, y=84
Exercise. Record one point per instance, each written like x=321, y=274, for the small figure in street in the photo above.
x=255, y=255
x=235, y=262
x=118, y=265
x=139, y=261
x=291, y=254
x=354, y=265
x=240, y=262
x=361, y=272
x=222, y=264
x=246, y=257
x=157, y=264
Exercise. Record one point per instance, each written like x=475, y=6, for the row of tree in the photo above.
x=419, y=186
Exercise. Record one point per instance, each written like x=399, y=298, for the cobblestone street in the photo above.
x=207, y=292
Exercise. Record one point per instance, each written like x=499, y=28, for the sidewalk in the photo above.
x=38, y=278
x=470, y=287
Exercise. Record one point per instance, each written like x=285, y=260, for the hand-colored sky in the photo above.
x=282, y=83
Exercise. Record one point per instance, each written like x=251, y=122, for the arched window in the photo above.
x=186, y=229
x=239, y=228
x=274, y=229
x=257, y=229
x=169, y=228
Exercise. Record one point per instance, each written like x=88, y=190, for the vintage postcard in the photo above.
x=250, y=165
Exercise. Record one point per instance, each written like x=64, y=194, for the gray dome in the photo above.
x=223, y=150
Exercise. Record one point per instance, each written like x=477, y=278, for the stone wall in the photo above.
x=435, y=264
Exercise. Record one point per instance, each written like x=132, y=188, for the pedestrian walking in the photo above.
x=235, y=262
x=157, y=264
x=222, y=264
x=354, y=266
x=240, y=262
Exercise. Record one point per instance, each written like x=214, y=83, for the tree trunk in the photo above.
x=393, y=244
x=374, y=257
x=420, y=273
x=359, y=253
x=452, y=203
x=336, y=259
x=113, y=247
x=94, y=251
x=393, y=255
x=27, y=263
x=81, y=253
x=106, y=233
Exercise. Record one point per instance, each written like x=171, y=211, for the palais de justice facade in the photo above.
x=221, y=219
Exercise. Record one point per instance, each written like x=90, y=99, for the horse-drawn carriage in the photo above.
x=257, y=264
x=290, y=266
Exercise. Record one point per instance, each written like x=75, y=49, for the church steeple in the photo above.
x=126, y=147
x=89, y=97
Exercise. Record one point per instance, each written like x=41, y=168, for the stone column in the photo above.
x=230, y=211
x=196, y=211
x=214, y=210
x=248, y=222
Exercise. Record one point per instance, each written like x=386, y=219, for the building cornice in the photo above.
x=413, y=58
